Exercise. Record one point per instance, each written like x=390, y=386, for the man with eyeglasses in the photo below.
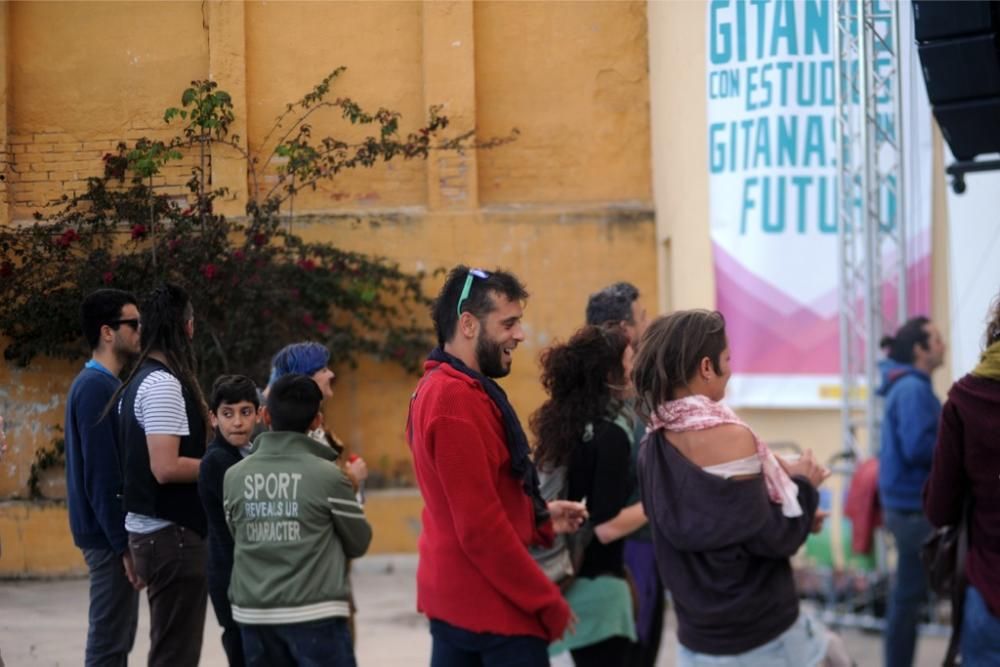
x=110, y=320
x=487, y=600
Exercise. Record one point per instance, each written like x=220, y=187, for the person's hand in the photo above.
x=806, y=466
x=133, y=578
x=567, y=515
x=357, y=468
x=818, y=519
x=571, y=624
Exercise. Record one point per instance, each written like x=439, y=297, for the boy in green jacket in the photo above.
x=295, y=524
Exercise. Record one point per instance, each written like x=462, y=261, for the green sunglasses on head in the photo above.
x=473, y=273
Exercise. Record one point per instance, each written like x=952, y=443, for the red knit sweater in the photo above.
x=475, y=571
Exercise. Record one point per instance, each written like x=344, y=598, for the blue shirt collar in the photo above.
x=96, y=365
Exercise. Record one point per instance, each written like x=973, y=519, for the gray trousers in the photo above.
x=114, y=610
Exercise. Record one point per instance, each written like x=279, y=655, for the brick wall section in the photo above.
x=5, y=174
x=44, y=166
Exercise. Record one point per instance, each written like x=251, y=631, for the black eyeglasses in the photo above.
x=134, y=323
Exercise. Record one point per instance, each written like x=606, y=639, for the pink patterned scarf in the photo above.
x=698, y=412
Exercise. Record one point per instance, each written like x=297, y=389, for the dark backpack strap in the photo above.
x=959, y=586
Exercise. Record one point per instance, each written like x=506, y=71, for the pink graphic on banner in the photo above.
x=772, y=333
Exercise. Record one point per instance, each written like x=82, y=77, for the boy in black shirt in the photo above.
x=233, y=407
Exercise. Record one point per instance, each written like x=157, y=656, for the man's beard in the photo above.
x=124, y=355
x=489, y=356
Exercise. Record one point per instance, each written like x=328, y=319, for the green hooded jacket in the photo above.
x=295, y=524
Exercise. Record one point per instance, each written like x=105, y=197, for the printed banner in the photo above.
x=772, y=184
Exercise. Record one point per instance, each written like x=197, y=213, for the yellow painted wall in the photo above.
x=567, y=206
x=569, y=75
x=4, y=147
x=291, y=46
x=35, y=540
x=84, y=76
x=31, y=402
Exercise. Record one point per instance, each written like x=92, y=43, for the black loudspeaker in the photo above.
x=959, y=47
x=961, y=69
x=970, y=128
x=941, y=19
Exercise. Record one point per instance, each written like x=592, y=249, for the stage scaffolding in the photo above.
x=871, y=219
x=871, y=211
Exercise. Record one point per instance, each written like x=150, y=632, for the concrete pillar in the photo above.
x=679, y=135
x=227, y=65
x=5, y=156
x=450, y=80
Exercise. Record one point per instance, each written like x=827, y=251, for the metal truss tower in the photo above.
x=871, y=213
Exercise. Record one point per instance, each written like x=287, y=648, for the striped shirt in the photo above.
x=159, y=405
x=159, y=409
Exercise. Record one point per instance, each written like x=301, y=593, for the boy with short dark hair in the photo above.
x=233, y=406
x=295, y=523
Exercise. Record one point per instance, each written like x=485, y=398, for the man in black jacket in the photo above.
x=233, y=406
x=163, y=427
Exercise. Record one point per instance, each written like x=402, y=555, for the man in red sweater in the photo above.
x=487, y=600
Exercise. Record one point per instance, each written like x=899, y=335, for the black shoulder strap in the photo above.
x=959, y=585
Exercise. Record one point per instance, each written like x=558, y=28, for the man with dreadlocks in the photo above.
x=487, y=600
x=162, y=420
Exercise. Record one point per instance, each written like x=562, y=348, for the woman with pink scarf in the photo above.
x=726, y=514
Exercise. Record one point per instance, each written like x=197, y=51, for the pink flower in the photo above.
x=308, y=320
x=173, y=244
x=239, y=255
x=306, y=264
x=259, y=239
x=66, y=238
x=188, y=212
x=108, y=277
x=322, y=327
x=138, y=231
x=209, y=271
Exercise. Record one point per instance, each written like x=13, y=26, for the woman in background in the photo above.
x=965, y=469
x=313, y=359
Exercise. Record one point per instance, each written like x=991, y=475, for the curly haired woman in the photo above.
x=580, y=427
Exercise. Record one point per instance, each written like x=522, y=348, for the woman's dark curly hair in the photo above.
x=581, y=377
